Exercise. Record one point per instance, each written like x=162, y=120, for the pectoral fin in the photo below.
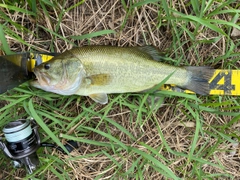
x=99, y=98
x=98, y=79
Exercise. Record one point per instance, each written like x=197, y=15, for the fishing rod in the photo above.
x=17, y=68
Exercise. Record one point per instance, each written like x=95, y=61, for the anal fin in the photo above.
x=99, y=98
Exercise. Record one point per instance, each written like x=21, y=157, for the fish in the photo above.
x=97, y=71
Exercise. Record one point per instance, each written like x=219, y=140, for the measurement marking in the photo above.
x=223, y=81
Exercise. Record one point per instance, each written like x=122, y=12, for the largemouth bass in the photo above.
x=96, y=71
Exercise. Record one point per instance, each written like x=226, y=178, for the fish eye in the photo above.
x=47, y=66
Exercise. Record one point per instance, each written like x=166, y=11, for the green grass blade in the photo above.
x=9, y=106
x=4, y=42
x=219, y=21
x=75, y=5
x=196, y=134
x=111, y=122
x=17, y=9
x=109, y=136
x=166, y=7
x=205, y=22
x=97, y=143
x=195, y=4
x=60, y=176
x=93, y=34
x=33, y=5
x=142, y=3
x=43, y=125
x=157, y=163
x=57, y=35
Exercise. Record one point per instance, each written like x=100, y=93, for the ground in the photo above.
x=181, y=136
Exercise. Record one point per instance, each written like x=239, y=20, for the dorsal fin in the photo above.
x=152, y=51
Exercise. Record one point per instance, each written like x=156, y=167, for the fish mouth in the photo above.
x=41, y=78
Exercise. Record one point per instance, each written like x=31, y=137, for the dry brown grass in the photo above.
x=173, y=117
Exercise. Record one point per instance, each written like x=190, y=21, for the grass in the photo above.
x=187, y=137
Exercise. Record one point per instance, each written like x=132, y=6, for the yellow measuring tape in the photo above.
x=223, y=82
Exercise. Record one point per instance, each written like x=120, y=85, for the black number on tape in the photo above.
x=226, y=86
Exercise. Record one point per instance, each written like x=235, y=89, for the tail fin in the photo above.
x=199, y=79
